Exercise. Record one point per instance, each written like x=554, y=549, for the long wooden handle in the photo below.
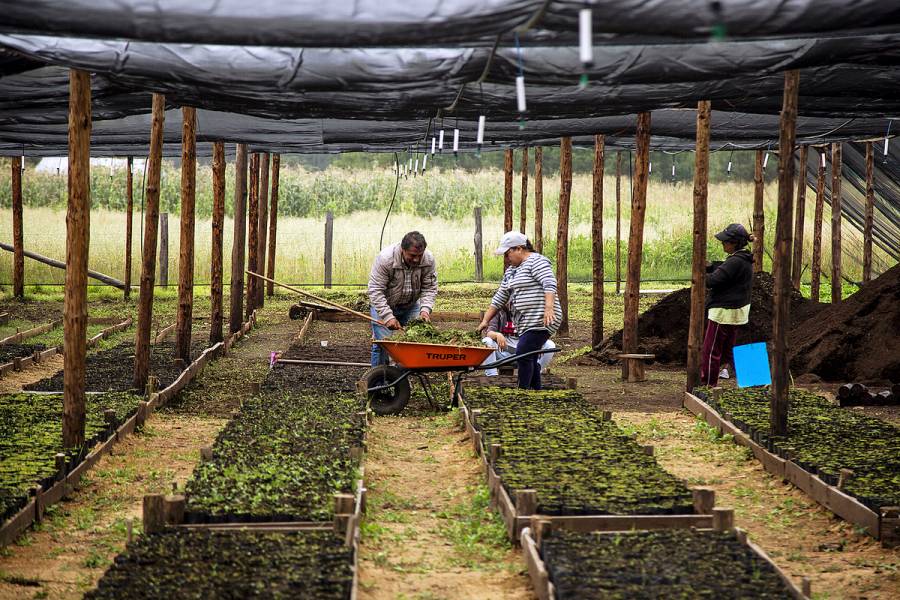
x=323, y=300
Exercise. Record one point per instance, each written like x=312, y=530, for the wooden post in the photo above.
x=836, y=164
x=597, y=242
x=253, y=233
x=479, y=250
x=759, y=215
x=236, y=292
x=698, y=257
x=636, y=238
x=562, y=230
x=523, y=207
x=263, y=229
x=129, y=223
x=618, y=222
x=870, y=213
x=164, y=249
x=781, y=258
x=148, y=261
x=184, y=317
x=507, y=190
x=539, y=199
x=218, y=225
x=77, y=243
x=797, y=260
x=273, y=222
x=154, y=515
x=18, y=236
x=816, y=270
x=329, y=245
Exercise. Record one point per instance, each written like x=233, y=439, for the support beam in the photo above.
x=636, y=238
x=799, y=225
x=58, y=264
x=836, y=176
x=539, y=199
x=164, y=249
x=759, y=214
x=18, y=235
x=263, y=230
x=148, y=260
x=129, y=223
x=816, y=270
x=507, y=190
x=597, y=242
x=523, y=206
x=253, y=234
x=618, y=222
x=236, y=308
x=870, y=213
x=78, y=225
x=184, y=318
x=781, y=259
x=216, y=312
x=698, y=257
x=329, y=247
x=479, y=249
x=562, y=231
x=273, y=223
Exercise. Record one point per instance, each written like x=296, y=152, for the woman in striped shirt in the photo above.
x=529, y=286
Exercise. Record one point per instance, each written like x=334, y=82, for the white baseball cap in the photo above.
x=510, y=239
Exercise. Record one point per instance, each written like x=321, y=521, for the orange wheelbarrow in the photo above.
x=388, y=385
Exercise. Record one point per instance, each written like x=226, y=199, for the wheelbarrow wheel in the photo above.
x=389, y=401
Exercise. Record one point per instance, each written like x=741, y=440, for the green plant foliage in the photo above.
x=31, y=436
x=678, y=563
x=558, y=444
x=281, y=459
x=230, y=564
x=823, y=439
x=424, y=332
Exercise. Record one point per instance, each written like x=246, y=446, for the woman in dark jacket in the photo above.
x=728, y=285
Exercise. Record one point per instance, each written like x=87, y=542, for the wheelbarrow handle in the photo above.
x=516, y=357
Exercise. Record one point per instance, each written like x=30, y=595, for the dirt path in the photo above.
x=68, y=553
x=429, y=532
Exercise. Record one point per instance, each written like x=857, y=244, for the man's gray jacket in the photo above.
x=390, y=275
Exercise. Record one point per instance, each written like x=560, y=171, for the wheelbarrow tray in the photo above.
x=415, y=355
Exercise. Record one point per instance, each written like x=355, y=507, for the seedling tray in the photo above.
x=829, y=496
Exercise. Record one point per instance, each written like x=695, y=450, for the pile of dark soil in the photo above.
x=663, y=329
x=856, y=340
x=112, y=370
x=326, y=379
x=11, y=351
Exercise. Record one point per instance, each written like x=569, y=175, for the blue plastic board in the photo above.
x=751, y=365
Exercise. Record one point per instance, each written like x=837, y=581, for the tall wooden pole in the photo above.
x=263, y=229
x=273, y=222
x=539, y=199
x=797, y=260
x=329, y=247
x=236, y=292
x=129, y=224
x=636, y=238
x=507, y=190
x=816, y=269
x=562, y=230
x=597, y=242
x=78, y=225
x=253, y=233
x=523, y=206
x=216, y=312
x=836, y=164
x=618, y=222
x=148, y=260
x=870, y=212
x=479, y=248
x=781, y=259
x=164, y=249
x=184, y=318
x=18, y=235
x=698, y=257
x=759, y=215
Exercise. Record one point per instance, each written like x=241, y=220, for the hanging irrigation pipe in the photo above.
x=393, y=197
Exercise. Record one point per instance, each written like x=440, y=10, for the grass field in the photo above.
x=440, y=205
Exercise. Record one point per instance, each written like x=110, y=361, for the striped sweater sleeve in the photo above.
x=543, y=274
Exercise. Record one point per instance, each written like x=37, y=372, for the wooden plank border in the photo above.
x=829, y=496
x=30, y=333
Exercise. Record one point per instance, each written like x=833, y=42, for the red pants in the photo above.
x=717, y=343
